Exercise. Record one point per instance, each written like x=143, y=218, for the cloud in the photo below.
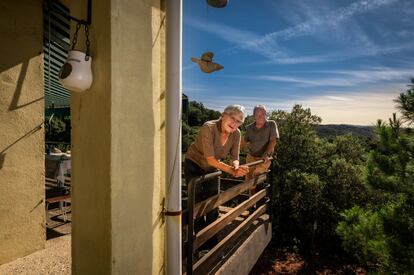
x=374, y=50
x=314, y=25
x=337, y=98
x=270, y=46
x=376, y=74
x=223, y=31
x=308, y=82
x=344, y=78
x=193, y=88
x=357, y=108
x=242, y=39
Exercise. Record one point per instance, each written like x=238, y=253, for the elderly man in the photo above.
x=260, y=138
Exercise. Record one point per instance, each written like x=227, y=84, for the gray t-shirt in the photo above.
x=258, y=139
x=207, y=144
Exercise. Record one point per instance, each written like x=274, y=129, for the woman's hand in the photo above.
x=240, y=171
x=236, y=164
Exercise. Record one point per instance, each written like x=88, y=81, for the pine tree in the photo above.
x=382, y=234
x=405, y=103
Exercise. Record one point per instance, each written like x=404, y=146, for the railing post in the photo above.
x=190, y=206
x=272, y=185
x=190, y=222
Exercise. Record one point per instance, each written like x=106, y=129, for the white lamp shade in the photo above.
x=76, y=74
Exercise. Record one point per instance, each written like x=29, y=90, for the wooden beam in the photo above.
x=213, y=228
x=203, y=266
x=211, y=203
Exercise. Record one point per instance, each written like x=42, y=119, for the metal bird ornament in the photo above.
x=206, y=63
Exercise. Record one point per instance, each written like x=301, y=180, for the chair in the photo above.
x=56, y=191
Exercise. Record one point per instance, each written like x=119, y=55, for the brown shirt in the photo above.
x=258, y=138
x=207, y=144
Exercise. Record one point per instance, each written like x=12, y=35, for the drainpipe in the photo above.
x=173, y=135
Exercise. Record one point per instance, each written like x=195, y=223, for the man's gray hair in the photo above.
x=231, y=109
x=260, y=107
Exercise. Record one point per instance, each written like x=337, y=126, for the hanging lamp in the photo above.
x=76, y=73
x=217, y=3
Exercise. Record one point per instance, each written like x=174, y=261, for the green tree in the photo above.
x=188, y=135
x=315, y=180
x=57, y=129
x=198, y=114
x=363, y=236
x=405, y=103
x=382, y=233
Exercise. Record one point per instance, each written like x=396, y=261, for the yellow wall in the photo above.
x=22, y=209
x=117, y=142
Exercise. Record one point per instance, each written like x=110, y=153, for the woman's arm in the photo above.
x=241, y=171
x=212, y=161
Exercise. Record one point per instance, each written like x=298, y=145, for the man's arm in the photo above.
x=269, y=149
x=243, y=143
x=274, y=135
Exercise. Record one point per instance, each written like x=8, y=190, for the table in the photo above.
x=57, y=166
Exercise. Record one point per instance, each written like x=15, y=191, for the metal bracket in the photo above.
x=88, y=21
x=171, y=213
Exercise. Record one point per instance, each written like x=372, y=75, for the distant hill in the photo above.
x=332, y=130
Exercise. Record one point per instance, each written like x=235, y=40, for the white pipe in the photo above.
x=173, y=135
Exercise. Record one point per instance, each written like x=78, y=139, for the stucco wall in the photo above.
x=137, y=135
x=118, y=143
x=22, y=209
x=91, y=150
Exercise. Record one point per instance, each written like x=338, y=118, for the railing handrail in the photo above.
x=257, y=162
x=190, y=206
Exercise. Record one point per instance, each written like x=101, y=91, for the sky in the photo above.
x=346, y=60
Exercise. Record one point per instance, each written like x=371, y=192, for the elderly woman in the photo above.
x=215, y=140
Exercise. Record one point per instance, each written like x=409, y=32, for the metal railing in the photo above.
x=195, y=211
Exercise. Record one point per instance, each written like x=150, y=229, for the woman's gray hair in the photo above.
x=231, y=109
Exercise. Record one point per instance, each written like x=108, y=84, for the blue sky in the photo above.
x=346, y=60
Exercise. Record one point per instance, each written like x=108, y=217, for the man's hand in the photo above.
x=266, y=157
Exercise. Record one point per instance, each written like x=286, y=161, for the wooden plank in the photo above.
x=211, y=203
x=203, y=265
x=225, y=209
x=50, y=180
x=56, y=199
x=230, y=181
x=213, y=228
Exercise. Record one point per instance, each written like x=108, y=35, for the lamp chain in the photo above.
x=75, y=40
x=88, y=43
x=75, y=36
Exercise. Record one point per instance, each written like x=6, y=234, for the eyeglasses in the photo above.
x=234, y=119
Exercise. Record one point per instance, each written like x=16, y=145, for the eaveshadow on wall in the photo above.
x=4, y=151
x=21, y=42
x=15, y=102
x=21, y=132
